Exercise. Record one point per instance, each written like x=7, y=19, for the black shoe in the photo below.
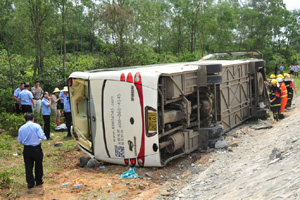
x=68, y=137
x=39, y=183
x=281, y=116
x=50, y=138
x=29, y=186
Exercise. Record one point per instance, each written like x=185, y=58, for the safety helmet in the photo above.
x=286, y=75
x=274, y=81
x=279, y=76
x=272, y=76
x=279, y=79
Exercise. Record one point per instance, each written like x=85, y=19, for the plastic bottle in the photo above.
x=77, y=186
x=65, y=185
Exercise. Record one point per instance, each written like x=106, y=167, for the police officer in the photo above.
x=16, y=97
x=26, y=100
x=46, y=111
x=30, y=135
x=67, y=110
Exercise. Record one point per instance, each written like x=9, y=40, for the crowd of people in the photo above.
x=281, y=92
x=294, y=69
x=36, y=100
x=33, y=102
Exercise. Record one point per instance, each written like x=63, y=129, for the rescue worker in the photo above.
x=275, y=99
x=272, y=76
x=283, y=96
x=289, y=86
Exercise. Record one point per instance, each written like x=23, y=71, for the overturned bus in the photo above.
x=150, y=115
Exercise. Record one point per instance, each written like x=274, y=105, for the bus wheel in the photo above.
x=260, y=83
x=260, y=63
x=213, y=68
x=214, y=79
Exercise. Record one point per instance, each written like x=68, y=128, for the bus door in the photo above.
x=79, y=99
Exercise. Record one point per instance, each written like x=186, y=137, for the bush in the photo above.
x=5, y=180
x=11, y=122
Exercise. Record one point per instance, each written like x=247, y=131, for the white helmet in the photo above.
x=279, y=79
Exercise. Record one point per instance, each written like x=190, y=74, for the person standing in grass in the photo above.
x=54, y=107
x=296, y=70
x=37, y=92
x=16, y=97
x=46, y=111
x=26, y=100
x=67, y=111
x=31, y=135
x=281, y=68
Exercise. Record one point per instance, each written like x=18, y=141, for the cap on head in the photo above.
x=56, y=90
x=65, y=89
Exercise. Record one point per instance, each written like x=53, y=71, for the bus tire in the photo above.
x=213, y=68
x=214, y=79
x=260, y=63
x=260, y=83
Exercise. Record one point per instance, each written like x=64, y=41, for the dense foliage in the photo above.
x=49, y=39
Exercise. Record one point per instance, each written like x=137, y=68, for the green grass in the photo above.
x=14, y=167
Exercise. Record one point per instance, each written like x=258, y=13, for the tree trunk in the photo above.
x=10, y=65
x=64, y=39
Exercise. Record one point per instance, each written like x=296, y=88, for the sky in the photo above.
x=292, y=4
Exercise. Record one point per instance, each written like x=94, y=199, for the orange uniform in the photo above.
x=284, y=97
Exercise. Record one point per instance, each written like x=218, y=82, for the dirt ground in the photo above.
x=242, y=171
x=106, y=183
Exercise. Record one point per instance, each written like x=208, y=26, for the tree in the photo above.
x=32, y=16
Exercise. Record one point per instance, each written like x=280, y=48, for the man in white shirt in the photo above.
x=296, y=70
x=292, y=69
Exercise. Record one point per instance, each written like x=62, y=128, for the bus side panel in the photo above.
x=152, y=154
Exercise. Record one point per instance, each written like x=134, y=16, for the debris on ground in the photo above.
x=93, y=163
x=58, y=143
x=83, y=161
x=130, y=174
x=62, y=127
x=262, y=126
x=220, y=144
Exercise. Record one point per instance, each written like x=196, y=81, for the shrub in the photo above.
x=11, y=122
x=5, y=180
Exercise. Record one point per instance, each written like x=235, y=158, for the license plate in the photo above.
x=152, y=121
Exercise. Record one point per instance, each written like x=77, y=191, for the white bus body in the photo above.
x=149, y=115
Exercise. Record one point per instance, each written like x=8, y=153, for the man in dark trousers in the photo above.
x=46, y=111
x=26, y=100
x=31, y=135
x=67, y=111
x=16, y=97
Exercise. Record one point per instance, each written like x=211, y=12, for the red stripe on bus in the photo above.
x=139, y=87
